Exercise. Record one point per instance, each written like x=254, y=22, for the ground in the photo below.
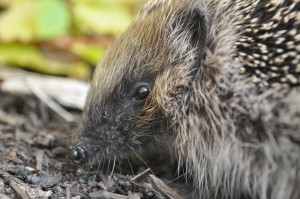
x=34, y=162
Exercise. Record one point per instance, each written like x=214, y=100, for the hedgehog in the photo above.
x=213, y=84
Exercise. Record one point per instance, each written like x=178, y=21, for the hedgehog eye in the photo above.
x=142, y=92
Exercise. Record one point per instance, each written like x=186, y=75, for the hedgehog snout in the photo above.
x=78, y=154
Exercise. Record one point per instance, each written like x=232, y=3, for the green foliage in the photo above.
x=101, y=17
x=25, y=25
x=30, y=57
x=53, y=19
x=90, y=53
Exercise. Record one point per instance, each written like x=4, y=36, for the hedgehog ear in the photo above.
x=196, y=21
x=199, y=27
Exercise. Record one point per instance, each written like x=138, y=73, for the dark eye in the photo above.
x=142, y=92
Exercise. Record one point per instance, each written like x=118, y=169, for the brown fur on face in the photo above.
x=224, y=79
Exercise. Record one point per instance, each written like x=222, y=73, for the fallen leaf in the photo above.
x=12, y=155
x=30, y=57
x=17, y=22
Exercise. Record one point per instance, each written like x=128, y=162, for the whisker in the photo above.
x=130, y=166
x=141, y=159
x=103, y=165
x=120, y=169
x=98, y=167
x=184, y=174
x=88, y=169
x=69, y=136
x=112, y=171
x=107, y=171
x=71, y=124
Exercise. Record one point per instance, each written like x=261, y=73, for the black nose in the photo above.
x=78, y=155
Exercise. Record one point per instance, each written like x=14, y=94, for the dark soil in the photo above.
x=34, y=163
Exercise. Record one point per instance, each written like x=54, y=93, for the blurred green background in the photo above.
x=61, y=37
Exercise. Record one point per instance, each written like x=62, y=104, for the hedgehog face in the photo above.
x=120, y=121
x=129, y=109
x=111, y=128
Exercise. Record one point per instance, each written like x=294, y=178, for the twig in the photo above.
x=2, y=196
x=65, y=91
x=39, y=160
x=49, y=102
x=14, y=183
x=106, y=195
x=140, y=174
x=68, y=193
x=17, y=188
x=160, y=187
x=22, y=189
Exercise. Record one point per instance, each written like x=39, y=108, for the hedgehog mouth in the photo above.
x=115, y=157
x=109, y=144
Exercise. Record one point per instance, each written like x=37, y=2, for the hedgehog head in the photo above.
x=140, y=81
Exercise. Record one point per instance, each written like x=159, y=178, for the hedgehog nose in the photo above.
x=78, y=155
